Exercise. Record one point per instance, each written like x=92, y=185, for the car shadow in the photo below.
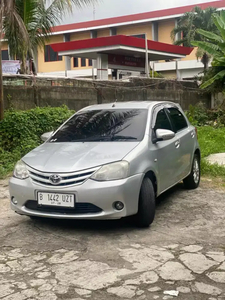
x=104, y=225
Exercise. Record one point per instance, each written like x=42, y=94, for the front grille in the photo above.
x=80, y=208
x=67, y=179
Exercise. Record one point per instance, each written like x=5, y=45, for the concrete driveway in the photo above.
x=183, y=251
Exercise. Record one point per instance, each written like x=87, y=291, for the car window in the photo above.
x=162, y=121
x=104, y=125
x=178, y=120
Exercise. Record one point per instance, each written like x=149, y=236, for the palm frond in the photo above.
x=207, y=47
x=218, y=76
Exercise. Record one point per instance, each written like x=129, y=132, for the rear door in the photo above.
x=185, y=139
x=166, y=153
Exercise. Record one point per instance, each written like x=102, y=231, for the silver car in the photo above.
x=108, y=161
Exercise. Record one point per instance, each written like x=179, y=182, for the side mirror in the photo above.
x=164, y=135
x=46, y=136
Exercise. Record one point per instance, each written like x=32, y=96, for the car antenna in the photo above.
x=114, y=104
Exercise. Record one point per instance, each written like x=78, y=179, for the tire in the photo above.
x=193, y=179
x=146, y=205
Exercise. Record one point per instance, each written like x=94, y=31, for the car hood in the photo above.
x=70, y=157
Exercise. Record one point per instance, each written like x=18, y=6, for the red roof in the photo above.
x=120, y=40
x=137, y=17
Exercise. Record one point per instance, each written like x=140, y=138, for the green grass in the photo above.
x=211, y=140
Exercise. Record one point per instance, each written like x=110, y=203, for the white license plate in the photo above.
x=55, y=199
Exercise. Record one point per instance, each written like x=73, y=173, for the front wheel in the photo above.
x=193, y=179
x=146, y=206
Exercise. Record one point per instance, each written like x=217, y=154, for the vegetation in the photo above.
x=20, y=132
x=27, y=24
x=187, y=30
x=214, y=44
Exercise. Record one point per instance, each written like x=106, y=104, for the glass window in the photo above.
x=5, y=55
x=51, y=55
x=83, y=62
x=75, y=62
x=178, y=120
x=140, y=36
x=104, y=125
x=162, y=121
x=90, y=62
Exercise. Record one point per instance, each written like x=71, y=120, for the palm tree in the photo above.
x=27, y=24
x=214, y=44
x=187, y=30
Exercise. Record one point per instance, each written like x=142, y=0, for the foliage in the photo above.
x=20, y=132
x=215, y=45
x=38, y=17
x=187, y=30
x=156, y=74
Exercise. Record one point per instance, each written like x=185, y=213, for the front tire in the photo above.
x=146, y=206
x=193, y=179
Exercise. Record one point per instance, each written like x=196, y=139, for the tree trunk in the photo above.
x=1, y=78
x=205, y=61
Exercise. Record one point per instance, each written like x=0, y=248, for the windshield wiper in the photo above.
x=122, y=137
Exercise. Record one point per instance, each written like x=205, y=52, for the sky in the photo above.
x=114, y=8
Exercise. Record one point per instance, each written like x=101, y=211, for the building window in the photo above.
x=75, y=62
x=51, y=55
x=113, y=31
x=90, y=62
x=83, y=62
x=140, y=36
x=94, y=34
x=5, y=55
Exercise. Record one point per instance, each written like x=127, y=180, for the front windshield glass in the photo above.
x=103, y=125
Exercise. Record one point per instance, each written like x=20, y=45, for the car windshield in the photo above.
x=103, y=125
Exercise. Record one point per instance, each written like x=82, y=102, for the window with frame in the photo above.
x=51, y=55
x=140, y=36
x=178, y=120
x=90, y=62
x=83, y=62
x=75, y=62
x=162, y=121
x=5, y=55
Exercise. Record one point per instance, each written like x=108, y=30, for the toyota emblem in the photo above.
x=55, y=179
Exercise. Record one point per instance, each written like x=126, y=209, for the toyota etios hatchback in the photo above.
x=107, y=162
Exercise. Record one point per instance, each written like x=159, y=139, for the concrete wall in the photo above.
x=77, y=94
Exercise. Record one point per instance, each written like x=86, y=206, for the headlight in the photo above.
x=114, y=171
x=20, y=170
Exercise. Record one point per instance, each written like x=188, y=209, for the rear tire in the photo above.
x=193, y=179
x=146, y=205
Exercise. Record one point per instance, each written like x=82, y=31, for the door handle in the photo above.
x=177, y=144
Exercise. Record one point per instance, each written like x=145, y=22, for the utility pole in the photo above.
x=1, y=77
x=146, y=57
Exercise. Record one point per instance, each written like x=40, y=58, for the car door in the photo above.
x=185, y=137
x=166, y=153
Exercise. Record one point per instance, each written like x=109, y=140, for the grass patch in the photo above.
x=211, y=140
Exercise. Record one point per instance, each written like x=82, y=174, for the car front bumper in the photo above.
x=100, y=194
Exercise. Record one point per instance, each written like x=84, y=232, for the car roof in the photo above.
x=131, y=104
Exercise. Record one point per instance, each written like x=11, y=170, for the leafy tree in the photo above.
x=27, y=24
x=214, y=44
x=187, y=30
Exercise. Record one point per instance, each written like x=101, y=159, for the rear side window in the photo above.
x=178, y=120
x=162, y=121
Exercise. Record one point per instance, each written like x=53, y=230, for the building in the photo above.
x=155, y=25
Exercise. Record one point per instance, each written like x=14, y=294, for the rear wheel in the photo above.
x=193, y=179
x=146, y=206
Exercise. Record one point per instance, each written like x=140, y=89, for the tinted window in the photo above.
x=177, y=118
x=83, y=62
x=162, y=121
x=104, y=125
x=5, y=55
x=75, y=62
x=51, y=55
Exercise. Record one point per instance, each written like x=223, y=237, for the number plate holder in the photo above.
x=56, y=199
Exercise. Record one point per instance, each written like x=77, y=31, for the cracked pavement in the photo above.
x=183, y=253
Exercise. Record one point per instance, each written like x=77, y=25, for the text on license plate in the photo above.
x=55, y=199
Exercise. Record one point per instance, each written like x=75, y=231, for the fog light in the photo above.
x=118, y=205
x=14, y=201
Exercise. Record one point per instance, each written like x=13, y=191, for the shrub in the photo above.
x=20, y=132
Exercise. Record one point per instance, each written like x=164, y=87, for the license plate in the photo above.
x=55, y=199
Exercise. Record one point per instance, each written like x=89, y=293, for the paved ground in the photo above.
x=183, y=251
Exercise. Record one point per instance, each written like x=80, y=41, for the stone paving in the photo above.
x=181, y=256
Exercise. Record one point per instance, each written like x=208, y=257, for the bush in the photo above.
x=20, y=132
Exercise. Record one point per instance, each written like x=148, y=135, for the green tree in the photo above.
x=27, y=24
x=214, y=44
x=187, y=27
